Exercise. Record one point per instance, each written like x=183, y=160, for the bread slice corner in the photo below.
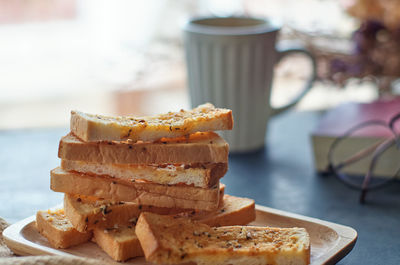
x=60, y=233
x=231, y=211
x=119, y=242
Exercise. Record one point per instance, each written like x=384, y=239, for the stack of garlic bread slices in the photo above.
x=115, y=168
x=173, y=160
x=150, y=186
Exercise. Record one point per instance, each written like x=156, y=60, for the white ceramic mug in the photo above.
x=230, y=63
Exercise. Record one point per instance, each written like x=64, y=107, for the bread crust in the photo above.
x=143, y=193
x=197, y=148
x=93, y=213
x=169, y=240
x=58, y=230
x=199, y=175
x=120, y=242
x=204, y=118
x=231, y=211
x=87, y=213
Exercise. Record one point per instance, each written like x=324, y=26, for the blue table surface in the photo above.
x=280, y=176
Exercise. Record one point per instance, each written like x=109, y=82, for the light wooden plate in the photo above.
x=330, y=242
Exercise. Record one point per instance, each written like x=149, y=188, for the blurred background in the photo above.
x=126, y=57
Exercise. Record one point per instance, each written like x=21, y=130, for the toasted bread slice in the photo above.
x=119, y=242
x=204, y=118
x=169, y=240
x=60, y=233
x=87, y=213
x=203, y=176
x=139, y=187
x=202, y=147
x=174, y=196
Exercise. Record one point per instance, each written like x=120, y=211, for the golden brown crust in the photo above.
x=218, y=170
x=119, y=242
x=198, y=175
x=58, y=230
x=140, y=187
x=197, y=148
x=204, y=118
x=87, y=213
x=170, y=240
x=142, y=193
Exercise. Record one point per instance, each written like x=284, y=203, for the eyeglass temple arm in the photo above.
x=359, y=155
x=375, y=156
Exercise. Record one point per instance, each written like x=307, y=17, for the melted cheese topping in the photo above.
x=171, y=121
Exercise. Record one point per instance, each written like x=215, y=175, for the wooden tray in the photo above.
x=330, y=242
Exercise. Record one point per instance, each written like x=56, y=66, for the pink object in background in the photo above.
x=340, y=119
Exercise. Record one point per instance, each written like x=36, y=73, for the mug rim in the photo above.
x=268, y=26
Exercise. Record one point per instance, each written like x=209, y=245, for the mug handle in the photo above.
x=284, y=51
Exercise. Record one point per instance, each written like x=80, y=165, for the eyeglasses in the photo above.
x=375, y=155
